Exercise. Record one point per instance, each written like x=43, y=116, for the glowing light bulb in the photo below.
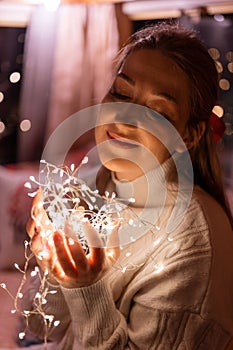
x=2, y=127
x=28, y=185
x=21, y=335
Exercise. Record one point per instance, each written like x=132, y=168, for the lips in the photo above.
x=120, y=141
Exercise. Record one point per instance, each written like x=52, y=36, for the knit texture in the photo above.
x=168, y=290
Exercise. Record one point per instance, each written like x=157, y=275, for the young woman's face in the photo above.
x=150, y=79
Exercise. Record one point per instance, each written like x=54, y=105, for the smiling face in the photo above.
x=151, y=79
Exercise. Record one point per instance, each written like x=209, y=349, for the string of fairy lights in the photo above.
x=63, y=192
x=38, y=301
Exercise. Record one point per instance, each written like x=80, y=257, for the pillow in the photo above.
x=15, y=208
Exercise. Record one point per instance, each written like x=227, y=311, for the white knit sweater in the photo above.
x=167, y=290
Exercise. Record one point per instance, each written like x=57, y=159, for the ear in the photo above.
x=194, y=134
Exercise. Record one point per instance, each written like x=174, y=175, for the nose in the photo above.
x=128, y=113
x=132, y=114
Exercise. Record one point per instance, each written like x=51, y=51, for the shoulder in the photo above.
x=197, y=208
x=211, y=209
x=206, y=225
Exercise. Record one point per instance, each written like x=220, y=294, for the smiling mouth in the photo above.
x=119, y=141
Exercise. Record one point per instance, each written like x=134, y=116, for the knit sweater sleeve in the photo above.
x=96, y=322
x=174, y=323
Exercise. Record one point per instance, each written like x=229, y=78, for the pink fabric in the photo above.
x=86, y=43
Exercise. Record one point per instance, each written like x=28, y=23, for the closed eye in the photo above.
x=118, y=95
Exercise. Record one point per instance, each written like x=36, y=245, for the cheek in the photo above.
x=99, y=134
x=157, y=147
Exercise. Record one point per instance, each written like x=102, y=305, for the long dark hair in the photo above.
x=191, y=55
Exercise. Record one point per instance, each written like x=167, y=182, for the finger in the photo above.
x=64, y=256
x=38, y=247
x=30, y=227
x=38, y=212
x=96, y=257
x=69, y=230
x=75, y=248
x=74, y=224
x=113, y=238
x=37, y=203
x=78, y=255
x=49, y=259
x=113, y=244
x=35, y=243
x=93, y=239
x=40, y=217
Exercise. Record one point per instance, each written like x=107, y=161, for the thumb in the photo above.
x=113, y=238
x=113, y=244
x=93, y=238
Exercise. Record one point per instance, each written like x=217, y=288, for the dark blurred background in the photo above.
x=215, y=29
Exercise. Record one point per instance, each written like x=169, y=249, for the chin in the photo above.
x=117, y=165
x=123, y=169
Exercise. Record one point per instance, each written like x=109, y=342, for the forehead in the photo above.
x=152, y=67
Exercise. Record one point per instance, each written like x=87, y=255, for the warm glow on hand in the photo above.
x=72, y=268
x=63, y=256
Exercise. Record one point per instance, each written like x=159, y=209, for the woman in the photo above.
x=166, y=289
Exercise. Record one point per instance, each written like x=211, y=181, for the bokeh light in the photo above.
x=25, y=125
x=2, y=127
x=1, y=96
x=219, y=66
x=230, y=67
x=224, y=84
x=229, y=56
x=218, y=110
x=228, y=119
x=219, y=17
x=214, y=53
x=15, y=77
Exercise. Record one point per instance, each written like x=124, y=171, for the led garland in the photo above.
x=63, y=192
x=38, y=301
